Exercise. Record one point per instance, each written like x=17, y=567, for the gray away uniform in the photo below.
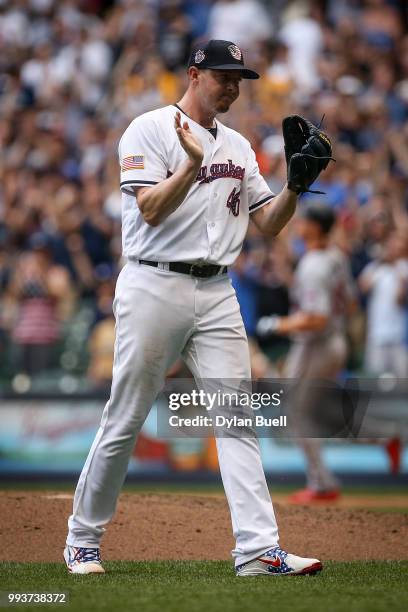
x=322, y=285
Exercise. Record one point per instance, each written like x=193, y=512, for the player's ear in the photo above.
x=193, y=74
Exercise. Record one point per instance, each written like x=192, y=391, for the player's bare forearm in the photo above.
x=272, y=218
x=302, y=321
x=158, y=202
x=297, y=322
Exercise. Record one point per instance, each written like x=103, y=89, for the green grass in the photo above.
x=183, y=586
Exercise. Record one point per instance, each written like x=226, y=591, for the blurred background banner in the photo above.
x=73, y=75
x=50, y=437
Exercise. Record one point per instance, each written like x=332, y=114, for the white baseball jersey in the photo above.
x=210, y=225
x=323, y=285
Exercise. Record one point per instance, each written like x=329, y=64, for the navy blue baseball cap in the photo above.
x=220, y=55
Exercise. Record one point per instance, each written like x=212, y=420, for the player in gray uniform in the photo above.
x=322, y=294
x=189, y=185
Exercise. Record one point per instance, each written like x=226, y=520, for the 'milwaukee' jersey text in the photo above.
x=210, y=224
x=218, y=171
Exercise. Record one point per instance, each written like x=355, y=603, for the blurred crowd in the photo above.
x=74, y=73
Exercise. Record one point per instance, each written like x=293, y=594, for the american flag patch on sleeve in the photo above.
x=132, y=162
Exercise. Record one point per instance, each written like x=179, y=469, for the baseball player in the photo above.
x=189, y=185
x=322, y=294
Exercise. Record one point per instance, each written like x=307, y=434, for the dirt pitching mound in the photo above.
x=169, y=526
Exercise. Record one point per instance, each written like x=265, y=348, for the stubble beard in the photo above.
x=224, y=106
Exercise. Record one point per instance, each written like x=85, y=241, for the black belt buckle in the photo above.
x=200, y=271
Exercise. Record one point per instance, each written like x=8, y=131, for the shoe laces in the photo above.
x=87, y=554
x=276, y=552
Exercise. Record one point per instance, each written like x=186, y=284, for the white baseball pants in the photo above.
x=160, y=315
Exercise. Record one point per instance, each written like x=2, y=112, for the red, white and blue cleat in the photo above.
x=83, y=560
x=277, y=562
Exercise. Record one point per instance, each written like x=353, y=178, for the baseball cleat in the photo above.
x=277, y=562
x=309, y=496
x=83, y=560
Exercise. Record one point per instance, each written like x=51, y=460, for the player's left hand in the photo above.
x=188, y=141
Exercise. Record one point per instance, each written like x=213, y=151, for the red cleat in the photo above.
x=393, y=449
x=309, y=496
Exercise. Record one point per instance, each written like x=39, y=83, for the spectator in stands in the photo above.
x=244, y=21
x=102, y=336
x=385, y=280
x=174, y=34
x=43, y=298
x=247, y=288
x=274, y=285
x=302, y=34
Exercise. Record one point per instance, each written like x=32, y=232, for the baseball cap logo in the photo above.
x=235, y=52
x=199, y=56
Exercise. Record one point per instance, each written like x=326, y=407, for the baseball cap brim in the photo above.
x=246, y=72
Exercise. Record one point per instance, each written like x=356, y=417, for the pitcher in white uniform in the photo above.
x=189, y=185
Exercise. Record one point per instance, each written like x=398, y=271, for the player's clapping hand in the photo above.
x=188, y=141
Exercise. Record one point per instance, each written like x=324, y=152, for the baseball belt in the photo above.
x=199, y=271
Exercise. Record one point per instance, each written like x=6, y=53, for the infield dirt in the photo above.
x=189, y=526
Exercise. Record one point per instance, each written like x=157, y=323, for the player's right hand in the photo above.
x=188, y=141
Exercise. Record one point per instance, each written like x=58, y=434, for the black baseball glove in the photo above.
x=308, y=152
